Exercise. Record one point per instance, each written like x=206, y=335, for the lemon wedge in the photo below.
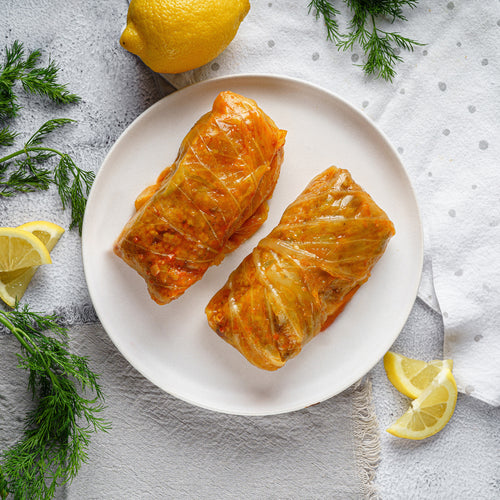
x=431, y=411
x=48, y=232
x=19, y=248
x=412, y=376
x=14, y=283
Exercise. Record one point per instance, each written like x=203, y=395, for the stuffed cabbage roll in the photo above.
x=300, y=277
x=208, y=202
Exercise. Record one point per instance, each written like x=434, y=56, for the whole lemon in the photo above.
x=172, y=36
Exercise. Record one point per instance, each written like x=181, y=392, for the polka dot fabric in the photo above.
x=441, y=112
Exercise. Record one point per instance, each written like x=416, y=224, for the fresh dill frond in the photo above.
x=4, y=485
x=58, y=431
x=329, y=13
x=47, y=128
x=7, y=136
x=24, y=179
x=41, y=81
x=382, y=48
x=24, y=171
x=73, y=193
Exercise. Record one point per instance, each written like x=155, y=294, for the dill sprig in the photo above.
x=7, y=136
x=24, y=171
x=58, y=431
x=329, y=12
x=382, y=48
x=41, y=81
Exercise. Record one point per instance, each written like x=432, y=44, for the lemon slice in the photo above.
x=20, y=249
x=13, y=284
x=431, y=411
x=412, y=376
x=48, y=232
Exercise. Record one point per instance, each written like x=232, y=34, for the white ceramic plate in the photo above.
x=173, y=345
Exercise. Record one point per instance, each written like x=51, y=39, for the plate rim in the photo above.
x=276, y=78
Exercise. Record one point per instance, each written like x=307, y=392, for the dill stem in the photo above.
x=17, y=332
x=30, y=347
x=28, y=150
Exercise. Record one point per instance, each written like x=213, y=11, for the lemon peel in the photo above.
x=48, y=232
x=171, y=36
x=411, y=376
x=13, y=284
x=19, y=249
x=431, y=411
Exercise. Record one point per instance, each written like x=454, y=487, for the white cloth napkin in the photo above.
x=441, y=113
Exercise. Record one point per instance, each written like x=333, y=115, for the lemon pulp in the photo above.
x=431, y=411
x=411, y=376
x=13, y=284
x=19, y=249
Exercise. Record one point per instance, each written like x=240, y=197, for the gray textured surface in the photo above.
x=115, y=88
x=161, y=447
x=460, y=462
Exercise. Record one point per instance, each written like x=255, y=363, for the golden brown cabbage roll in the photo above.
x=300, y=277
x=208, y=202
